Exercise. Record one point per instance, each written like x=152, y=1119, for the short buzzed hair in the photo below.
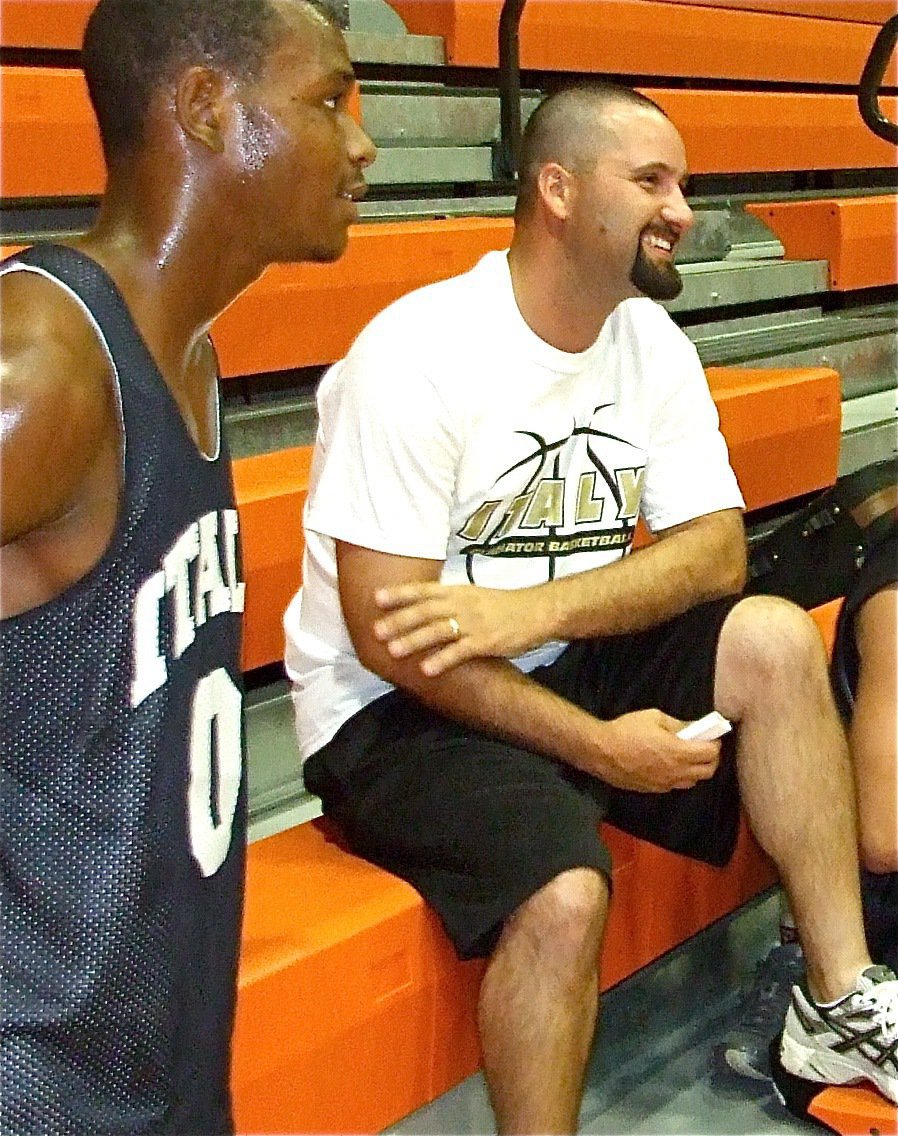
x=132, y=47
x=566, y=128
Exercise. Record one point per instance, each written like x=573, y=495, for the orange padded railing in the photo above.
x=655, y=37
x=858, y=236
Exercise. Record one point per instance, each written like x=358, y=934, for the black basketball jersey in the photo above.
x=123, y=788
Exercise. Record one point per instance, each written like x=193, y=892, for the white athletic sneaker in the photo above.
x=855, y=1039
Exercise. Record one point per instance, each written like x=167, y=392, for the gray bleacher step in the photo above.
x=708, y=240
x=720, y=284
x=868, y=430
x=408, y=50
x=416, y=114
x=430, y=208
x=863, y=351
x=431, y=165
x=375, y=33
x=277, y=797
x=376, y=16
x=267, y=426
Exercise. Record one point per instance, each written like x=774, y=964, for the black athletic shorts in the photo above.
x=479, y=825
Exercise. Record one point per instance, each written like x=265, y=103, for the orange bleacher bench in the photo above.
x=302, y=315
x=856, y=235
x=353, y=1009
x=808, y=41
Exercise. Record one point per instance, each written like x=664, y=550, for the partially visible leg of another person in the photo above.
x=764, y=1002
x=539, y=1002
x=874, y=749
x=798, y=792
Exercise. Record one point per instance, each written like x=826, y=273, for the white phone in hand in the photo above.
x=705, y=729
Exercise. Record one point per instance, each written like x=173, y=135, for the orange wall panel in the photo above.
x=855, y=11
x=48, y=134
x=858, y=236
x=44, y=23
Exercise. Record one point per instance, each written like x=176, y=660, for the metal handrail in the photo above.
x=871, y=81
x=509, y=150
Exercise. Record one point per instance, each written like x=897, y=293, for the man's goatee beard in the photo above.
x=658, y=282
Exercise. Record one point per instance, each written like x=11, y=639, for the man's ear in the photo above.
x=199, y=106
x=556, y=189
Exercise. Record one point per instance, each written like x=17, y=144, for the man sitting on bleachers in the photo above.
x=505, y=429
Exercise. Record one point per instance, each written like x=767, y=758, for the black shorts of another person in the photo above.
x=478, y=825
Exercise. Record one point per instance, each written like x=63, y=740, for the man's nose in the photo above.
x=677, y=211
x=361, y=149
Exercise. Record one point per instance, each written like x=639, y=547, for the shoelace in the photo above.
x=882, y=1001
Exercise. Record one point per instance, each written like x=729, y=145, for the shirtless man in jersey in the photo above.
x=229, y=146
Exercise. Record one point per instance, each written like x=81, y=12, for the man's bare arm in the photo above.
x=635, y=751
x=60, y=444
x=55, y=403
x=698, y=561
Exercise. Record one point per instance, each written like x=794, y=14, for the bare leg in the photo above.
x=795, y=778
x=538, y=1004
x=874, y=744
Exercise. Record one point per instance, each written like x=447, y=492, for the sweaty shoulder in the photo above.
x=57, y=401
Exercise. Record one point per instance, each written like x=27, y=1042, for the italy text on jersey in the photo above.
x=195, y=595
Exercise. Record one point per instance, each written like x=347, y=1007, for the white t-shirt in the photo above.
x=452, y=432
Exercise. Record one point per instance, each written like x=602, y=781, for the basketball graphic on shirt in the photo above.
x=562, y=496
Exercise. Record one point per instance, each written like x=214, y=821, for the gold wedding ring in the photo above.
x=454, y=627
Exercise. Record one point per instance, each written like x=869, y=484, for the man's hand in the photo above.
x=450, y=624
x=640, y=751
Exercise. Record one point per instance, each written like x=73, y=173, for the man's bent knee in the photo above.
x=766, y=644
x=565, y=919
